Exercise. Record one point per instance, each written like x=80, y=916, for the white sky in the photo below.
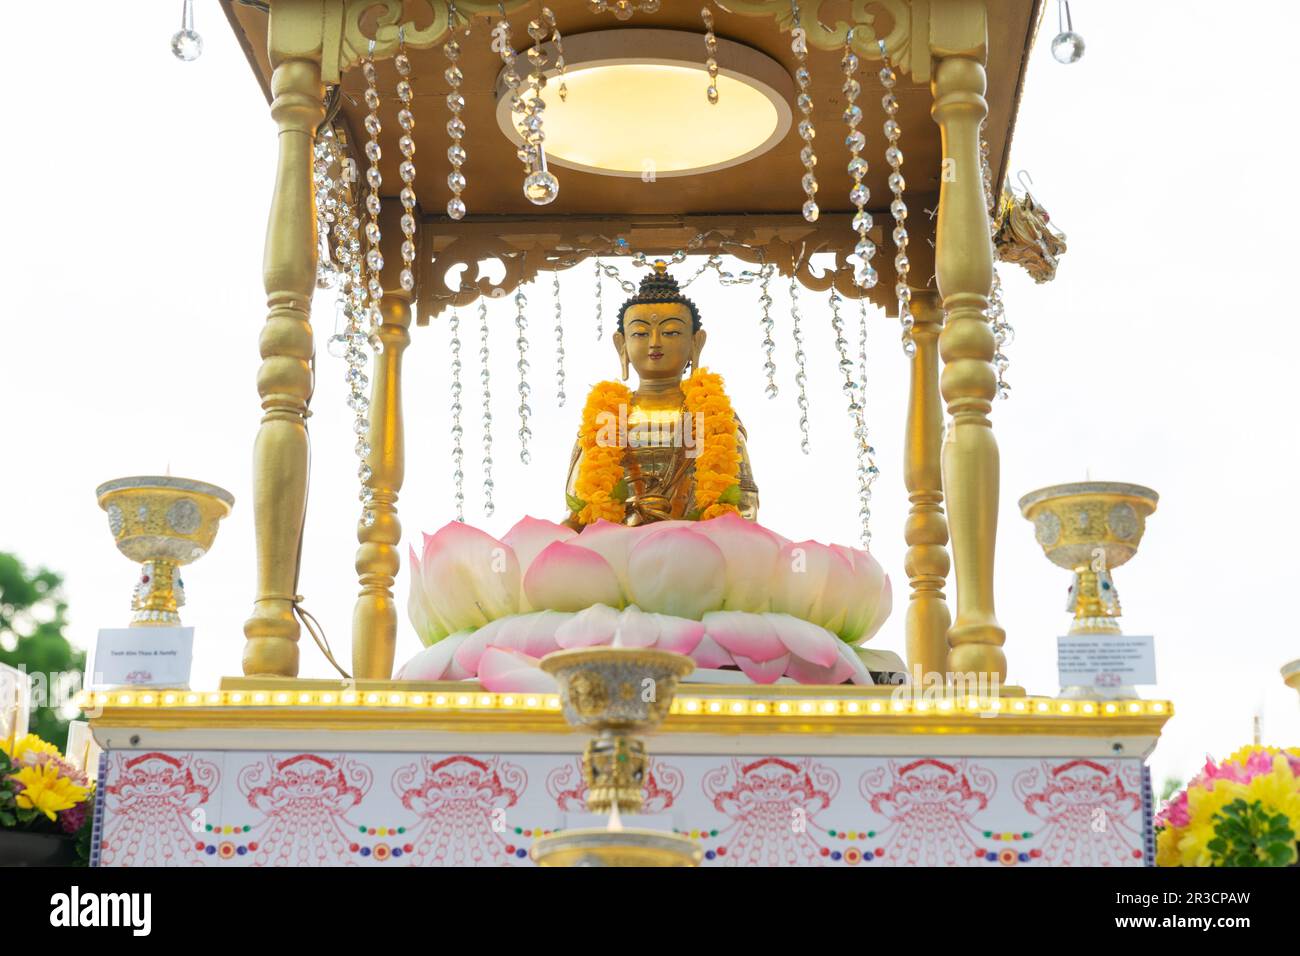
x=1159, y=355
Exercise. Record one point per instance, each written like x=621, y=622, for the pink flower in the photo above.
x=749, y=552
x=565, y=577
x=464, y=579
x=528, y=538
x=676, y=572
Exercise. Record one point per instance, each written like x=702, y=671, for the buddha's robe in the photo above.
x=659, y=468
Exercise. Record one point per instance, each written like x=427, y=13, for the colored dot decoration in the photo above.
x=225, y=849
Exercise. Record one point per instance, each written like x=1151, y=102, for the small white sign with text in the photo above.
x=1106, y=660
x=143, y=656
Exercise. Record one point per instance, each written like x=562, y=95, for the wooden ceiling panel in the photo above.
x=768, y=183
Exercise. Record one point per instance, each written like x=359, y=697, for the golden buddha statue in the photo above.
x=668, y=449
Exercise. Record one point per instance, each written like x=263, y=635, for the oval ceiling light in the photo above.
x=636, y=104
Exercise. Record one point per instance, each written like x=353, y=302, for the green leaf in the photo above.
x=575, y=503
x=693, y=514
x=620, y=490
x=1248, y=834
x=731, y=496
x=7, y=819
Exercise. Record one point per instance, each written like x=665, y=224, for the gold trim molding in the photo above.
x=705, y=708
x=344, y=48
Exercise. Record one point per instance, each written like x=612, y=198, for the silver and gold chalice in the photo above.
x=163, y=523
x=1091, y=527
x=616, y=692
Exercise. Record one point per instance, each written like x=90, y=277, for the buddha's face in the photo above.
x=658, y=340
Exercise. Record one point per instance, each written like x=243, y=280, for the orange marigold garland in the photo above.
x=600, y=487
x=717, y=467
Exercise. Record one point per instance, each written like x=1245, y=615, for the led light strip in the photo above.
x=690, y=705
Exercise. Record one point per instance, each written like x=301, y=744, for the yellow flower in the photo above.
x=1202, y=807
x=1278, y=791
x=1167, y=847
x=28, y=745
x=47, y=791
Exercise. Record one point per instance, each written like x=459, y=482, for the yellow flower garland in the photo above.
x=602, y=465
x=717, y=467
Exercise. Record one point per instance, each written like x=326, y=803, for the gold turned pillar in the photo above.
x=284, y=380
x=374, y=619
x=964, y=271
x=926, y=531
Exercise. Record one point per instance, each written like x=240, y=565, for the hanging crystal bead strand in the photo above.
x=456, y=154
x=540, y=185
x=711, y=55
x=769, y=344
x=374, y=264
x=600, y=306
x=457, y=432
x=850, y=386
x=859, y=193
x=799, y=46
x=559, y=339
x=485, y=377
x=894, y=157
x=406, y=145
x=801, y=374
x=558, y=41
x=327, y=189
x=503, y=46
x=867, y=470
x=1003, y=333
x=521, y=343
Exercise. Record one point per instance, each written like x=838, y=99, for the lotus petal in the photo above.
x=884, y=604
x=612, y=542
x=709, y=653
x=428, y=627
x=677, y=634
x=472, y=648
x=808, y=673
x=528, y=538
x=744, y=635
x=880, y=661
x=534, y=635
x=505, y=671
x=636, y=628
x=813, y=582
x=565, y=577
x=871, y=600
x=849, y=655
x=804, y=639
x=590, y=627
x=763, y=672
x=750, y=553
x=469, y=577
x=436, y=662
x=677, y=572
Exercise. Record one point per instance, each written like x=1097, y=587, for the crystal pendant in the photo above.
x=1067, y=47
x=187, y=45
x=541, y=187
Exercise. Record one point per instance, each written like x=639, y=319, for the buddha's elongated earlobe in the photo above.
x=620, y=344
x=697, y=346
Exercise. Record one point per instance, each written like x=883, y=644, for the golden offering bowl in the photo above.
x=624, y=689
x=603, y=847
x=1090, y=527
x=616, y=692
x=1291, y=674
x=162, y=523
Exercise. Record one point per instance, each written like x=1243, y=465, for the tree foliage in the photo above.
x=32, y=621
